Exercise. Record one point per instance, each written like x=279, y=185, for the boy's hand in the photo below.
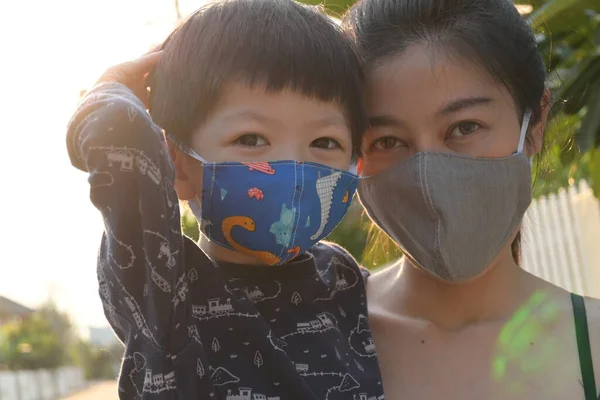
x=133, y=74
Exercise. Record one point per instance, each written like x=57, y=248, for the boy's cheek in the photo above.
x=188, y=178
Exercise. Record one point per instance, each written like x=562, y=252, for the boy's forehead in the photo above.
x=241, y=101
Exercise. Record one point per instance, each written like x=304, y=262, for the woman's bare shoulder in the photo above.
x=592, y=308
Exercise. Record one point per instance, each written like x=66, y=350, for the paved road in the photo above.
x=97, y=391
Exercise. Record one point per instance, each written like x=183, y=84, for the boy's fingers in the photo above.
x=140, y=66
x=154, y=49
x=130, y=72
x=145, y=63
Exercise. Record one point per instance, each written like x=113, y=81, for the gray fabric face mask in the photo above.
x=451, y=214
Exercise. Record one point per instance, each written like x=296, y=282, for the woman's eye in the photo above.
x=326, y=143
x=386, y=143
x=464, y=129
x=251, y=140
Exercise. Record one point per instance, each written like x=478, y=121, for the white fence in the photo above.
x=40, y=384
x=561, y=240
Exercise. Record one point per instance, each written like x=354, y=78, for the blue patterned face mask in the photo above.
x=273, y=210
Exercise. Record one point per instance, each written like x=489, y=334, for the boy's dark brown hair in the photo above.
x=275, y=44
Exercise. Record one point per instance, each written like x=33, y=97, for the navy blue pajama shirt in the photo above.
x=195, y=329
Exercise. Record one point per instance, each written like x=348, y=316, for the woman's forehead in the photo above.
x=427, y=79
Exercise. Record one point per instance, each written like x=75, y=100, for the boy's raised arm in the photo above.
x=141, y=272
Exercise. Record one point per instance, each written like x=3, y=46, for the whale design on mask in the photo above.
x=325, y=188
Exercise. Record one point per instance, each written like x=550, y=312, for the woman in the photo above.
x=457, y=109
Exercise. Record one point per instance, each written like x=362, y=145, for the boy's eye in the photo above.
x=386, y=143
x=464, y=129
x=326, y=143
x=251, y=140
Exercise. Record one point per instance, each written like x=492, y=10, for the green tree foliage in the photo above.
x=36, y=341
x=46, y=340
x=97, y=363
x=568, y=33
x=352, y=232
x=367, y=243
x=189, y=224
x=335, y=8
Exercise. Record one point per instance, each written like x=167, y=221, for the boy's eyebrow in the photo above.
x=248, y=114
x=330, y=120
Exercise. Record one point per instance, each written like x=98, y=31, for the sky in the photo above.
x=50, y=232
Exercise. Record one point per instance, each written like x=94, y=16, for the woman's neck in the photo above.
x=493, y=296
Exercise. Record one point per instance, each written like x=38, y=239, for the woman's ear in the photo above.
x=537, y=130
x=184, y=186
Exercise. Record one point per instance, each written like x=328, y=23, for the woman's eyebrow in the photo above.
x=461, y=104
x=377, y=121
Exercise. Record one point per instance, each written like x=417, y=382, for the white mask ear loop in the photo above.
x=187, y=150
x=524, y=127
x=190, y=152
x=360, y=176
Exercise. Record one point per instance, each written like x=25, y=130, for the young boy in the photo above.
x=259, y=310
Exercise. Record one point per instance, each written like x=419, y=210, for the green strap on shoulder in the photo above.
x=583, y=346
